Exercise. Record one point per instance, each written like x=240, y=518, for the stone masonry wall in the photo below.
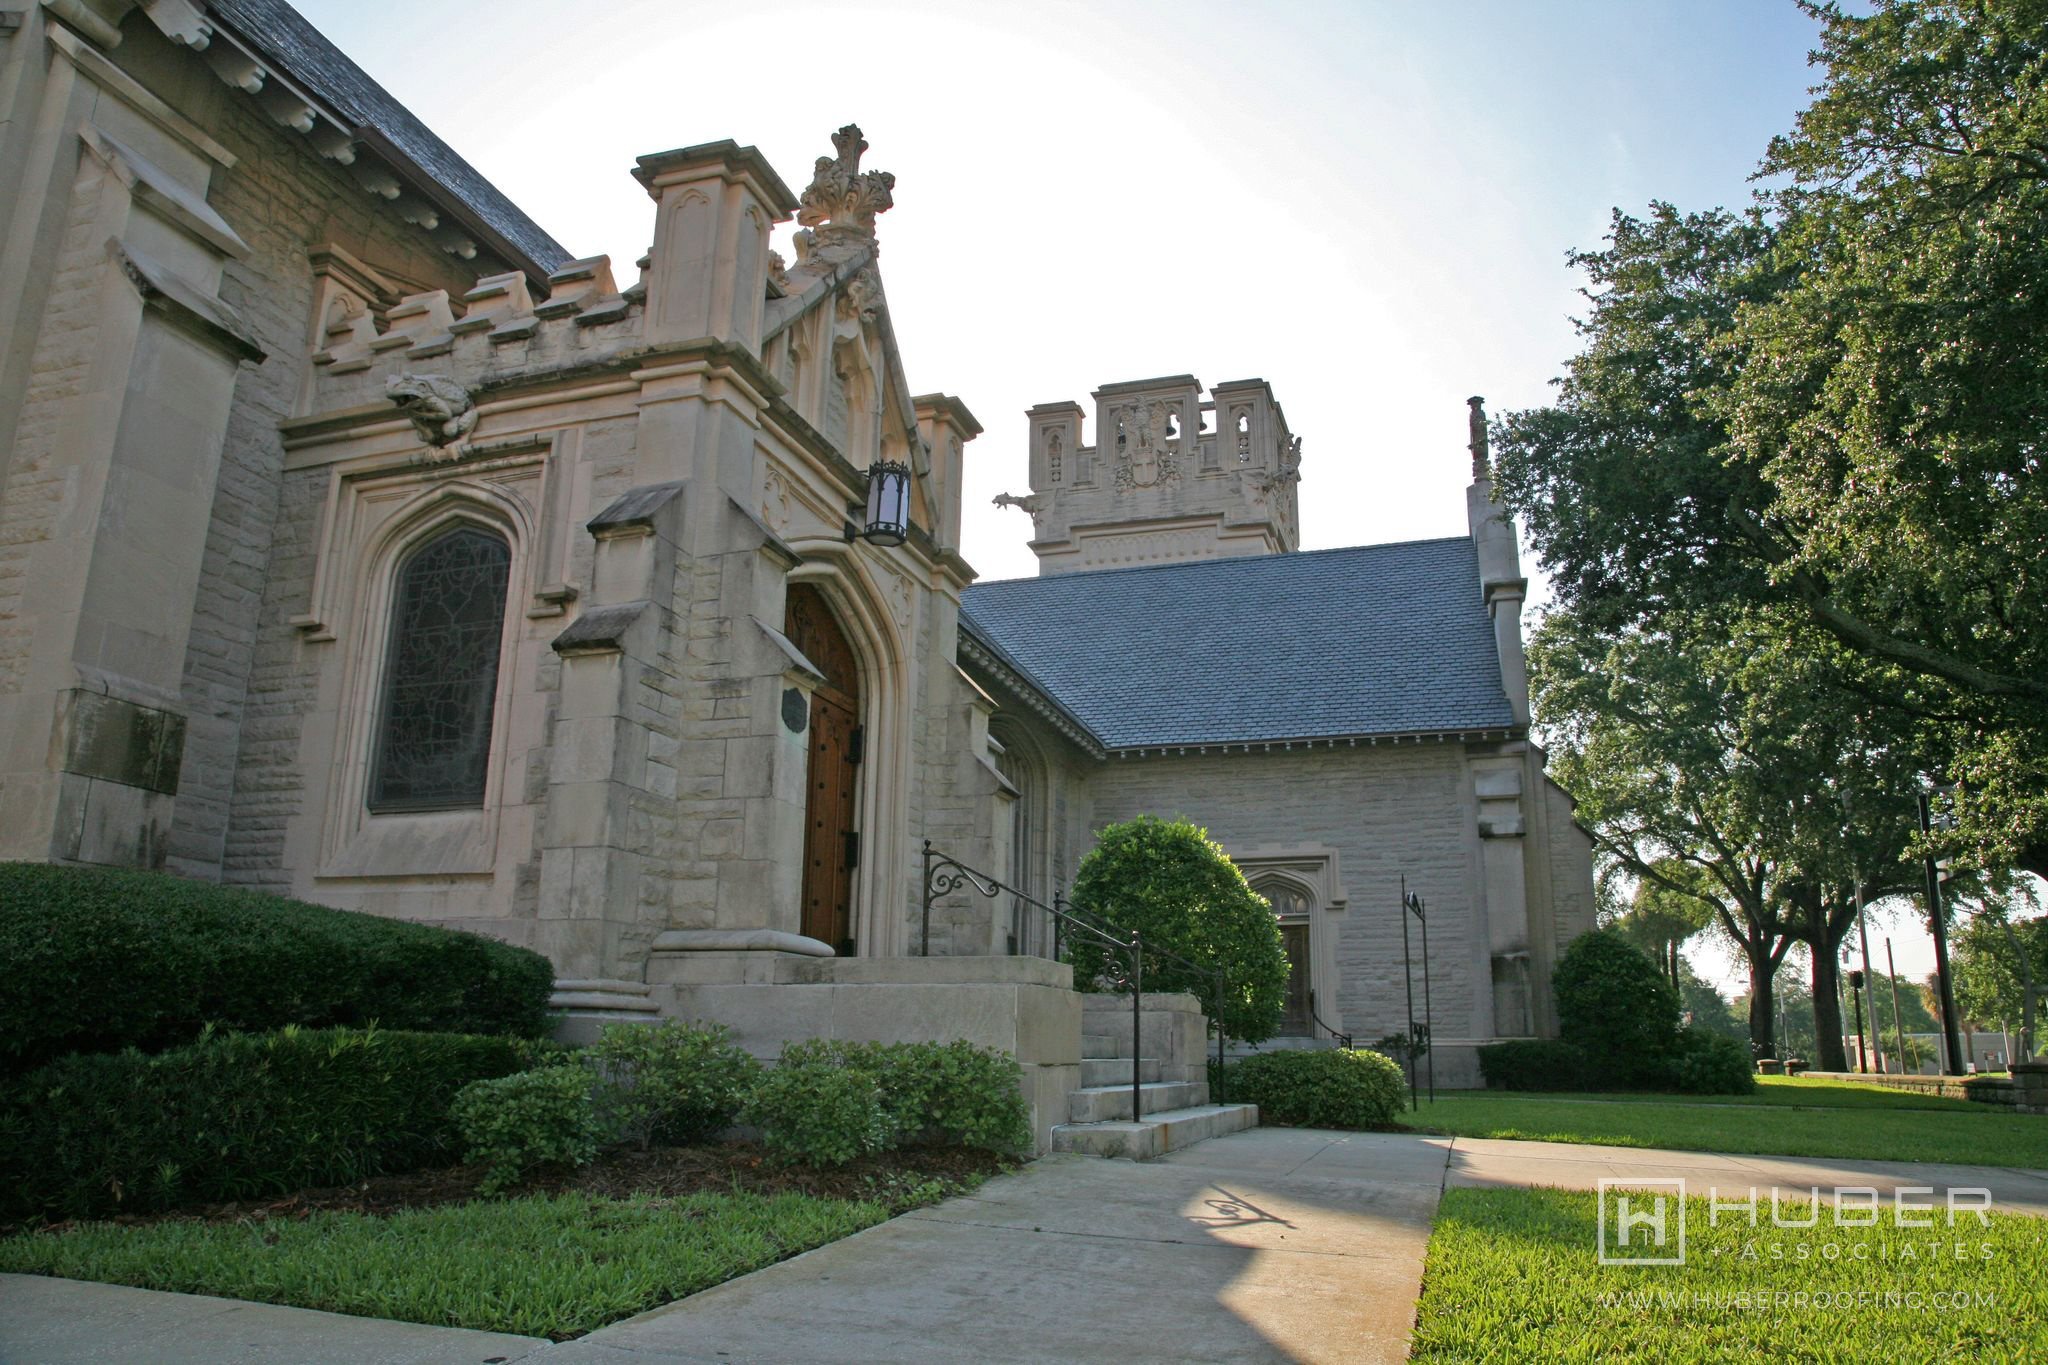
x=1389, y=811
x=282, y=198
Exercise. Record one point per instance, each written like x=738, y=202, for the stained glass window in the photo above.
x=441, y=680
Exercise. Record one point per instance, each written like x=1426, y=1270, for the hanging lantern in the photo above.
x=888, y=513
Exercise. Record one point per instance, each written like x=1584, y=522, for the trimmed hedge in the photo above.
x=1535, y=1064
x=237, y=1116
x=1696, y=1063
x=100, y=959
x=1323, y=1088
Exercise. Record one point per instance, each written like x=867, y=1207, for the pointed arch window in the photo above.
x=441, y=672
x=1291, y=906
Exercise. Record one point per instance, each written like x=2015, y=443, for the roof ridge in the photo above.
x=1189, y=564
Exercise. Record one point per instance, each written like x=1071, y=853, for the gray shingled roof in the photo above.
x=1370, y=640
x=283, y=36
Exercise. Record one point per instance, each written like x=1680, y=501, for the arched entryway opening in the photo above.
x=832, y=785
x=1292, y=906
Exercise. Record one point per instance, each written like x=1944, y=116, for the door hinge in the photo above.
x=856, y=744
x=853, y=848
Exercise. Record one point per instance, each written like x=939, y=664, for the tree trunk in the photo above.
x=1827, y=1013
x=1762, y=1022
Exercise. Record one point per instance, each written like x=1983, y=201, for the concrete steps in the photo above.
x=1108, y=1103
x=1168, y=1130
x=1107, y=1071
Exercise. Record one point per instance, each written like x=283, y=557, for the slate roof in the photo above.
x=282, y=36
x=1369, y=640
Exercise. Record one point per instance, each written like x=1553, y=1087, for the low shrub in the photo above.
x=672, y=1082
x=953, y=1093
x=530, y=1118
x=816, y=1113
x=1535, y=1064
x=1703, y=1063
x=236, y=1116
x=100, y=959
x=1617, y=1006
x=1323, y=1088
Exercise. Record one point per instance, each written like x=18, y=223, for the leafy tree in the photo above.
x=1170, y=882
x=1717, y=763
x=1995, y=958
x=1706, y=1008
x=1660, y=918
x=1825, y=411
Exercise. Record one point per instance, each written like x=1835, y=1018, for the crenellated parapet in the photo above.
x=1169, y=476
x=495, y=330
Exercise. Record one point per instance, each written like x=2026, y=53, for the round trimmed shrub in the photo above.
x=100, y=959
x=527, y=1119
x=1703, y=1063
x=1323, y=1088
x=670, y=1082
x=815, y=1112
x=1617, y=1007
x=1171, y=883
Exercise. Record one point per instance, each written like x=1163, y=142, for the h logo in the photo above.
x=1642, y=1222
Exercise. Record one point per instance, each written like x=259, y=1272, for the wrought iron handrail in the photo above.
x=945, y=874
x=1218, y=987
x=1341, y=1038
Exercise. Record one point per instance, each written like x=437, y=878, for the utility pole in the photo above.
x=1937, y=920
x=1863, y=933
x=1898, y=1028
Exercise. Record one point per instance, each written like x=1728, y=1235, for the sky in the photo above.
x=1367, y=204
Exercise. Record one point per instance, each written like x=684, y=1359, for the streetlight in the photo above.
x=1412, y=904
x=1856, y=980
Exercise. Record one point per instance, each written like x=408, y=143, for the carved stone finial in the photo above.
x=1481, y=458
x=440, y=408
x=842, y=199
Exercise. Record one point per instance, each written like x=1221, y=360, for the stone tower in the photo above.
x=1169, y=477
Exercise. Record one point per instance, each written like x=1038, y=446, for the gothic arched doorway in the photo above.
x=831, y=788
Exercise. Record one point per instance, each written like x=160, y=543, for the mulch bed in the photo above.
x=721, y=1168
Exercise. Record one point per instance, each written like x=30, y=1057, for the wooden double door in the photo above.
x=832, y=786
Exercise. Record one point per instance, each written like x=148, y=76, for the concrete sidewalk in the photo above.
x=1491, y=1161
x=1274, y=1244
x=70, y=1322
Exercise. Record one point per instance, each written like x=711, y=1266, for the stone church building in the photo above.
x=359, y=544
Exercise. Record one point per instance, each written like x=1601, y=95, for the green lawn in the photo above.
x=1795, y=1092
x=544, y=1265
x=1513, y=1275
x=1857, y=1122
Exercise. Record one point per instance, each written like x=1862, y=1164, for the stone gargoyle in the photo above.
x=439, y=407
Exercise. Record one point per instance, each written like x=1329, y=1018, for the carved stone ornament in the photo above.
x=1034, y=503
x=1145, y=453
x=859, y=297
x=440, y=408
x=842, y=199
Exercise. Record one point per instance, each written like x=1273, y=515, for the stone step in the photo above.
x=1098, y=1045
x=1103, y=1071
x=1169, y=1130
x=1103, y=1103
